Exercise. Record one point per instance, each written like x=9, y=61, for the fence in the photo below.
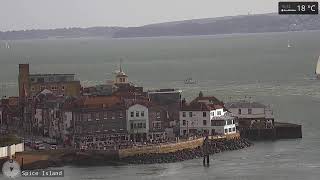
x=9, y=151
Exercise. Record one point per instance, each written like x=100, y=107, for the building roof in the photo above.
x=164, y=91
x=211, y=99
x=244, y=104
x=94, y=101
x=47, y=75
x=226, y=116
x=201, y=106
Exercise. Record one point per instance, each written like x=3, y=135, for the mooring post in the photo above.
x=205, y=151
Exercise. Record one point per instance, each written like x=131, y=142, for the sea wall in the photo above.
x=280, y=131
x=171, y=152
x=169, y=148
x=214, y=146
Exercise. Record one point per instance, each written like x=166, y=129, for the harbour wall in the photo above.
x=280, y=131
x=171, y=147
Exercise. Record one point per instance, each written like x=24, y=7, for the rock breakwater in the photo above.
x=214, y=146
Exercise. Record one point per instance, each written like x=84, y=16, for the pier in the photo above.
x=279, y=131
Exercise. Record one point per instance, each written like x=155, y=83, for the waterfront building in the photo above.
x=170, y=101
x=146, y=121
x=205, y=115
x=47, y=115
x=9, y=114
x=138, y=122
x=99, y=121
x=59, y=84
x=251, y=114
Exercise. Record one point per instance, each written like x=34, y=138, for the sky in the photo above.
x=48, y=14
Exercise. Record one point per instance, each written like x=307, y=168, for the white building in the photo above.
x=205, y=115
x=251, y=114
x=137, y=121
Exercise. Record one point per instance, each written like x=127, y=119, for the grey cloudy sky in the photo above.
x=35, y=14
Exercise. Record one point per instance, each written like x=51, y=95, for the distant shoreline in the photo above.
x=242, y=24
x=159, y=37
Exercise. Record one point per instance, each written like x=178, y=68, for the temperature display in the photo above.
x=298, y=8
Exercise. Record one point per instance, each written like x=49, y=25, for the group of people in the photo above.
x=117, y=144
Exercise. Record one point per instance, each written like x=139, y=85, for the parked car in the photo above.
x=41, y=147
x=27, y=142
x=52, y=147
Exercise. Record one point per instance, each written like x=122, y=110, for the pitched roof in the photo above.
x=211, y=99
x=244, y=104
x=98, y=101
x=200, y=106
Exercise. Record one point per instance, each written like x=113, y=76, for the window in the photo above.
x=157, y=125
x=120, y=114
x=234, y=129
x=249, y=111
x=218, y=113
x=158, y=115
x=239, y=111
x=229, y=122
x=230, y=130
x=183, y=114
x=212, y=113
x=88, y=117
x=142, y=113
x=105, y=115
x=131, y=125
x=225, y=130
x=184, y=122
x=144, y=125
x=204, y=122
x=204, y=114
x=132, y=114
x=217, y=123
x=190, y=114
x=33, y=89
x=137, y=113
x=62, y=87
x=97, y=116
x=54, y=88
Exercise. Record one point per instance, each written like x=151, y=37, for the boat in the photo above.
x=318, y=68
x=190, y=81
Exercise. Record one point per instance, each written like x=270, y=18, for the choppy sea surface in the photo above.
x=256, y=66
